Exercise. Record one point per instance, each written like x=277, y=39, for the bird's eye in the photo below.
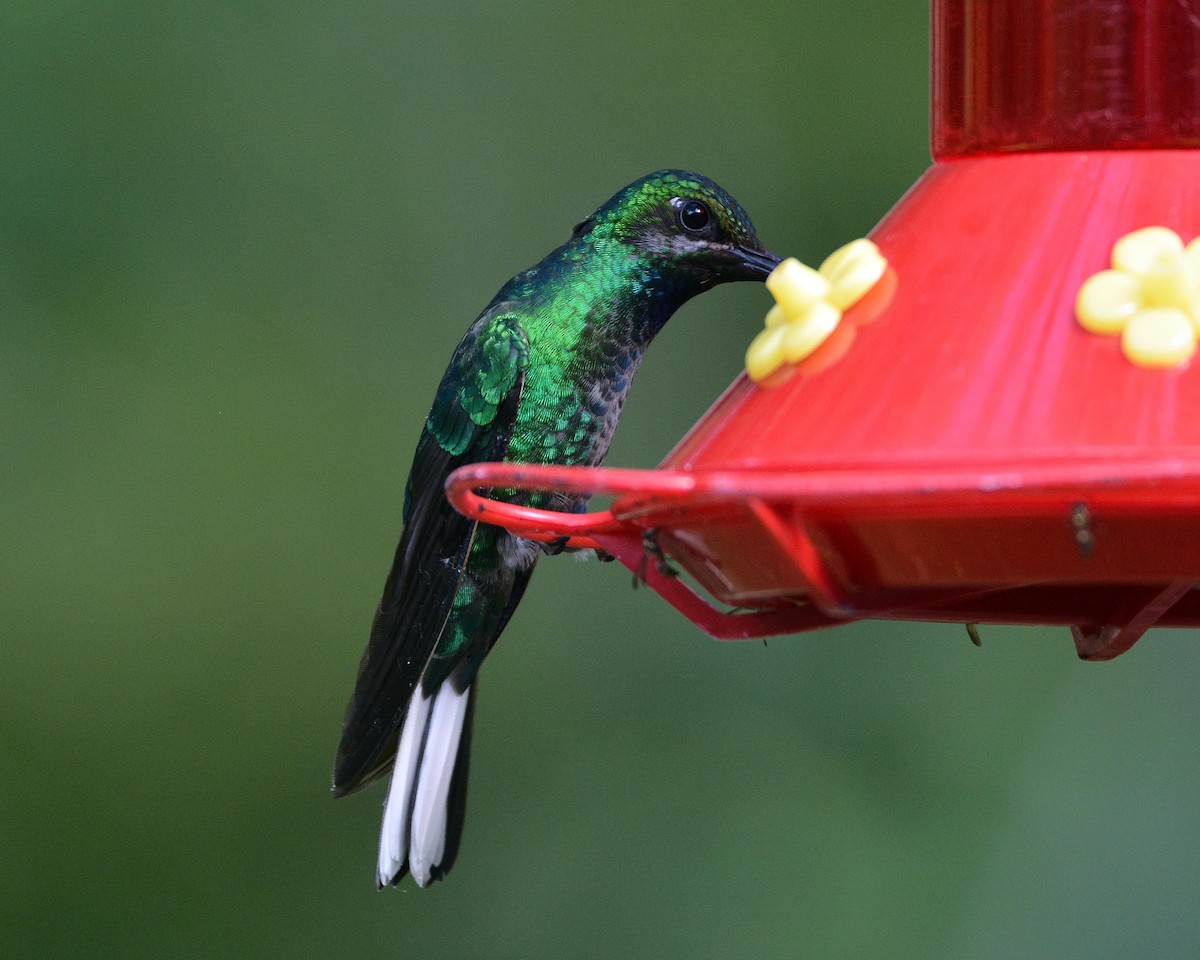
x=693, y=215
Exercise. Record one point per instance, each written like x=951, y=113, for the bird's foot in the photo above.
x=652, y=550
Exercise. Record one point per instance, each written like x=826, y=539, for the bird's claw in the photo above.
x=552, y=548
x=651, y=548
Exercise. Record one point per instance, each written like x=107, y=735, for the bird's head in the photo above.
x=686, y=226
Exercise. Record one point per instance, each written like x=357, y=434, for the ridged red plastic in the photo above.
x=1020, y=75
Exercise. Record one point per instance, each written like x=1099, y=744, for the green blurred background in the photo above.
x=238, y=242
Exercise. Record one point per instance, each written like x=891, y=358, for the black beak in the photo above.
x=757, y=263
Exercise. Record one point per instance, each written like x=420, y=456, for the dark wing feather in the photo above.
x=471, y=421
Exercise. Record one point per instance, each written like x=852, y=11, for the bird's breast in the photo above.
x=569, y=415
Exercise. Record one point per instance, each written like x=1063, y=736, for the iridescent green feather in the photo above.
x=486, y=365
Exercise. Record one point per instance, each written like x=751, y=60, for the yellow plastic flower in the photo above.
x=1150, y=298
x=809, y=304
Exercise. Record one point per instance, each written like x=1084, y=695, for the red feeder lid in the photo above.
x=975, y=454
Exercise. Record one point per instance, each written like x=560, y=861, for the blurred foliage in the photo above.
x=237, y=244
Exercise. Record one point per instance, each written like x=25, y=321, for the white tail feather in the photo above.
x=393, y=838
x=430, y=808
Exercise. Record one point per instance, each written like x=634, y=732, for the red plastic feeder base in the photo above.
x=798, y=552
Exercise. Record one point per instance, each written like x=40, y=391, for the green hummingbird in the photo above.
x=540, y=377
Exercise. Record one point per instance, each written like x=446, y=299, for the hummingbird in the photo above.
x=540, y=377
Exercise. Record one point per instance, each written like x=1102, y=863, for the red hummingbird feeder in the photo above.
x=975, y=455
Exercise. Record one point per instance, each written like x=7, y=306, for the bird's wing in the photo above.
x=471, y=421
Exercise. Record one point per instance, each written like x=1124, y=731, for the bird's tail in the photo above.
x=423, y=814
